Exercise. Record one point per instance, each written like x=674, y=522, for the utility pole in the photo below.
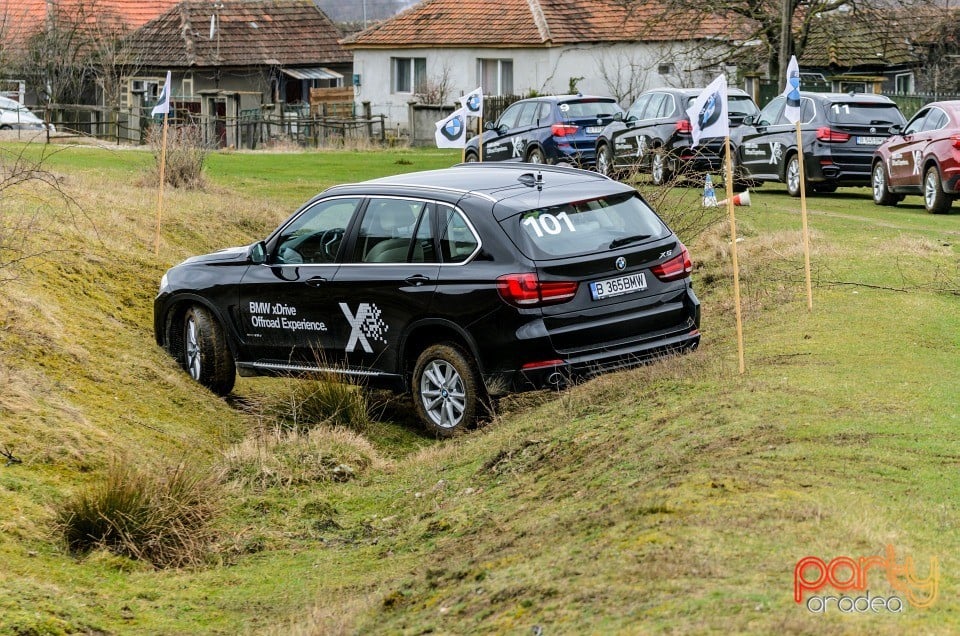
x=786, y=39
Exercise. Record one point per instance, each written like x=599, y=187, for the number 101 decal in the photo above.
x=549, y=224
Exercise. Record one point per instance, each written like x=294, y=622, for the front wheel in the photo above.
x=934, y=198
x=446, y=389
x=792, y=176
x=206, y=355
x=471, y=156
x=881, y=188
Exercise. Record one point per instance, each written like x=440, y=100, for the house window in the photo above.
x=666, y=69
x=904, y=83
x=407, y=73
x=496, y=76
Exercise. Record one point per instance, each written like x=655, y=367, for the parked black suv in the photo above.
x=557, y=129
x=455, y=284
x=654, y=136
x=840, y=131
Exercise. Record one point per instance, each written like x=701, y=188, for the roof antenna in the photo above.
x=539, y=181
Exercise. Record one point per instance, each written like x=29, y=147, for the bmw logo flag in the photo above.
x=708, y=113
x=791, y=111
x=472, y=102
x=452, y=131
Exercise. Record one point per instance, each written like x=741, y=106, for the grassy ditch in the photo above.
x=677, y=497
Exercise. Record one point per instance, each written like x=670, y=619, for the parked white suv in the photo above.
x=16, y=116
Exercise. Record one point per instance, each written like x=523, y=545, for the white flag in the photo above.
x=452, y=131
x=472, y=102
x=163, y=105
x=708, y=113
x=792, y=92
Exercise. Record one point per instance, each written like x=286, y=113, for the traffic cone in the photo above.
x=709, y=195
x=739, y=199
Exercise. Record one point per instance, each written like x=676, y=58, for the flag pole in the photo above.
x=733, y=253
x=163, y=164
x=480, y=137
x=803, y=216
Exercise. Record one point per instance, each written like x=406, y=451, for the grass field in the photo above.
x=674, y=498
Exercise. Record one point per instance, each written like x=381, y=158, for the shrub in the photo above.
x=161, y=518
x=185, y=156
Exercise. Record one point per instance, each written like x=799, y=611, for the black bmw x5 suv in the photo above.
x=456, y=285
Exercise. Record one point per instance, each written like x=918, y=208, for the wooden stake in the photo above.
x=733, y=253
x=803, y=216
x=163, y=165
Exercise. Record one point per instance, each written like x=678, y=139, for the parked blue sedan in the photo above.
x=556, y=129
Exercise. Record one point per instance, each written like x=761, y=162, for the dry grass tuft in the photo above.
x=157, y=517
x=291, y=458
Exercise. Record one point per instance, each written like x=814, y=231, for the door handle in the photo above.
x=316, y=281
x=417, y=280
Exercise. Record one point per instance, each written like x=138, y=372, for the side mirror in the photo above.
x=896, y=129
x=749, y=120
x=489, y=126
x=257, y=253
x=618, y=117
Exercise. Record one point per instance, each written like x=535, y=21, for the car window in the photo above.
x=936, y=120
x=315, y=235
x=543, y=114
x=387, y=230
x=636, y=110
x=667, y=107
x=864, y=114
x=740, y=106
x=527, y=114
x=509, y=116
x=457, y=239
x=808, y=110
x=588, y=109
x=916, y=124
x=771, y=112
x=652, y=109
x=584, y=227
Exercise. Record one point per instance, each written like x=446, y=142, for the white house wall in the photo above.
x=546, y=71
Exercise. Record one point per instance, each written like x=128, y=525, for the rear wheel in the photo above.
x=446, y=389
x=660, y=171
x=206, y=355
x=881, y=189
x=535, y=156
x=792, y=176
x=934, y=198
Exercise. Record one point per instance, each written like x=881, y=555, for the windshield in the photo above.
x=584, y=227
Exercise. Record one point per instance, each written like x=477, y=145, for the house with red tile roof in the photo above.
x=236, y=56
x=22, y=21
x=526, y=46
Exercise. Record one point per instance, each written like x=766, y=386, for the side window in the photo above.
x=457, y=240
x=667, y=107
x=637, y=109
x=509, y=116
x=916, y=124
x=808, y=110
x=316, y=235
x=771, y=112
x=936, y=120
x=386, y=231
x=653, y=106
x=527, y=115
x=543, y=114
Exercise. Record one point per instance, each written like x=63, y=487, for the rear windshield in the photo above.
x=863, y=114
x=588, y=108
x=584, y=227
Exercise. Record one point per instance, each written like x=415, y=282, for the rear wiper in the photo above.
x=620, y=242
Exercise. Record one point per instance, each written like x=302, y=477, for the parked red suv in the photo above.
x=923, y=158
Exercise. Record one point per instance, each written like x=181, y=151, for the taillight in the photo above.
x=562, y=130
x=676, y=268
x=956, y=140
x=684, y=126
x=526, y=290
x=824, y=133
